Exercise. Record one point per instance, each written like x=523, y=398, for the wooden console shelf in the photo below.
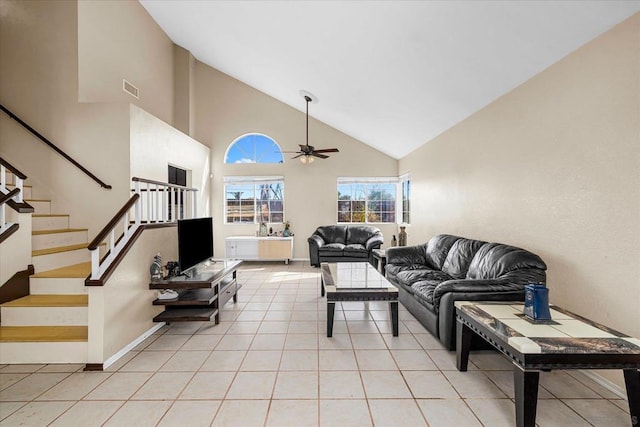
x=252, y=248
x=201, y=296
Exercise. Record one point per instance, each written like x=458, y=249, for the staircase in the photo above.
x=50, y=324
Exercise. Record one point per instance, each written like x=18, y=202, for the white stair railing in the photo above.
x=153, y=202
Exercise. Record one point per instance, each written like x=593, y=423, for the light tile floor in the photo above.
x=269, y=363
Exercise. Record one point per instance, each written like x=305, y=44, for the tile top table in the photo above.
x=568, y=341
x=356, y=281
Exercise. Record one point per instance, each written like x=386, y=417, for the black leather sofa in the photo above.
x=432, y=276
x=344, y=243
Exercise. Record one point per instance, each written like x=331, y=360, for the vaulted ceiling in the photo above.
x=392, y=74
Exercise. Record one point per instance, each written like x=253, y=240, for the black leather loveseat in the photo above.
x=432, y=276
x=344, y=243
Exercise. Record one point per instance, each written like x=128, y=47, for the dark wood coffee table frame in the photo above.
x=336, y=294
x=527, y=366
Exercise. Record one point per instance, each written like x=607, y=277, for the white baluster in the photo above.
x=148, y=203
x=19, y=197
x=165, y=208
x=3, y=178
x=157, y=196
x=194, y=205
x=95, y=264
x=138, y=209
x=173, y=204
x=3, y=220
x=112, y=242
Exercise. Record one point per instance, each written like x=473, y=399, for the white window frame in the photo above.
x=400, y=214
x=367, y=181
x=255, y=154
x=251, y=180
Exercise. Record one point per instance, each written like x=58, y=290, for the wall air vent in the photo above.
x=130, y=89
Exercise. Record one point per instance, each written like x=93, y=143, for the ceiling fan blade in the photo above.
x=289, y=152
x=327, y=150
x=322, y=156
x=299, y=155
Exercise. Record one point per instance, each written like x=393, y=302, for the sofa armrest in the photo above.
x=316, y=240
x=315, y=243
x=407, y=255
x=374, y=242
x=476, y=286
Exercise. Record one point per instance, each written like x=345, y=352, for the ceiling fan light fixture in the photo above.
x=307, y=159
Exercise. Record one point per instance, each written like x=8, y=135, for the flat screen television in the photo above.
x=195, y=242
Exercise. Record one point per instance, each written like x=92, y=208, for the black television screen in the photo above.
x=195, y=241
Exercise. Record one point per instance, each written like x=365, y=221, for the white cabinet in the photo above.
x=259, y=248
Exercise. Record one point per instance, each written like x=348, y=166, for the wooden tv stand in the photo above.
x=201, y=296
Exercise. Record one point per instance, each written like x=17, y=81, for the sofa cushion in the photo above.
x=392, y=270
x=355, y=247
x=495, y=259
x=359, y=234
x=437, y=249
x=332, y=248
x=424, y=291
x=333, y=233
x=409, y=277
x=459, y=257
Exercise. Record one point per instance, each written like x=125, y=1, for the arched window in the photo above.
x=254, y=148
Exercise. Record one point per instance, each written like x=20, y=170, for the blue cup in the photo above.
x=536, y=302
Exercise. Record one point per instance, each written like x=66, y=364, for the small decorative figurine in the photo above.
x=263, y=229
x=286, y=232
x=394, y=242
x=156, y=267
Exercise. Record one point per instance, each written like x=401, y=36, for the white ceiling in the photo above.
x=392, y=74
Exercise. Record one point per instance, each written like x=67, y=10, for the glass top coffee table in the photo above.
x=569, y=341
x=356, y=281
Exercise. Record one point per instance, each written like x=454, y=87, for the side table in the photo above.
x=380, y=258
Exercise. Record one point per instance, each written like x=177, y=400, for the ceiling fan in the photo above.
x=308, y=152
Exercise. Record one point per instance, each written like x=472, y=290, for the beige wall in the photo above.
x=122, y=310
x=155, y=145
x=119, y=40
x=183, y=87
x=227, y=109
x=38, y=46
x=554, y=167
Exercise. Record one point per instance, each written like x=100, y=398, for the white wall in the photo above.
x=227, y=108
x=554, y=167
x=155, y=145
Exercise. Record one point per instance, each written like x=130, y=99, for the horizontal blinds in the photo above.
x=367, y=180
x=253, y=179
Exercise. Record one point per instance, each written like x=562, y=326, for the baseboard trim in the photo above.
x=113, y=359
x=609, y=385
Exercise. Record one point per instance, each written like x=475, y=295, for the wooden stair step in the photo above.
x=81, y=270
x=49, y=301
x=60, y=230
x=59, y=249
x=48, y=215
x=43, y=333
x=37, y=200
